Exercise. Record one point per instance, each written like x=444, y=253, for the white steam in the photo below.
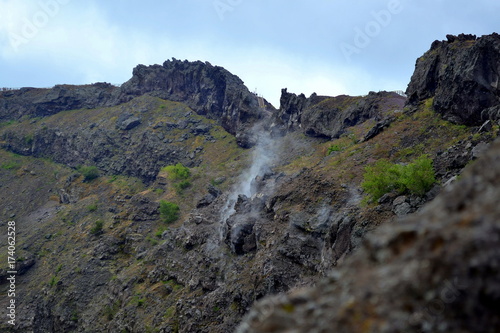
x=263, y=157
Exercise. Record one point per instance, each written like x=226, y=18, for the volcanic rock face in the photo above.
x=435, y=271
x=323, y=116
x=462, y=74
x=209, y=90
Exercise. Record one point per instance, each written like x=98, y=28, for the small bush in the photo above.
x=89, y=172
x=177, y=172
x=333, y=148
x=179, y=187
x=384, y=177
x=92, y=208
x=418, y=177
x=53, y=281
x=97, y=228
x=169, y=211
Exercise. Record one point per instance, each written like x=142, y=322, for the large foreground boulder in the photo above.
x=436, y=271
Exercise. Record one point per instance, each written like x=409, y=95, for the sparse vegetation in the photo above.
x=177, y=172
x=7, y=123
x=28, y=139
x=89, y=172
x=10, y=165
x=160, y=232
x=333, y=149
x=182, y=185
x=97, y=228
x=92, y=208
x=384, y=177
x=111, y=310
x=180, y=175
x=169, y=211
x=159, y=191
x=53, y=281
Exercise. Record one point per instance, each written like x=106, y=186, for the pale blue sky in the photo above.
x=330, y=47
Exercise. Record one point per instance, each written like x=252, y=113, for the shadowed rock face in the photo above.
x=462, y=74
x=322, y=116
x=434, y=271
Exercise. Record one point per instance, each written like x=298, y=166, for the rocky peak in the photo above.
x=209, y=90
x=462, y=75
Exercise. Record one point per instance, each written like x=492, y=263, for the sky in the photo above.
x=330, y=47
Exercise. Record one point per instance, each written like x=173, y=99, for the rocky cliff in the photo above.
x=209, y=90
x=462, y=75
x=324, y=116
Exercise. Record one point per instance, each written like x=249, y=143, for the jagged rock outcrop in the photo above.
x=462, y=74
x=434, y=271
x=209, y=90
x=323, y=116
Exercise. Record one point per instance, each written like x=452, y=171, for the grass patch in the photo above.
x=10, y=165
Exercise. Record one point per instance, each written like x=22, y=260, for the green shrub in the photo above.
x=333, y=148
x=92, y=208
x=384, y=177
x=89, y=172
x=179, y=187
x=418, y=177
x=177, y=172
x=53, y=281
x=97, y=228
x=169, y=211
